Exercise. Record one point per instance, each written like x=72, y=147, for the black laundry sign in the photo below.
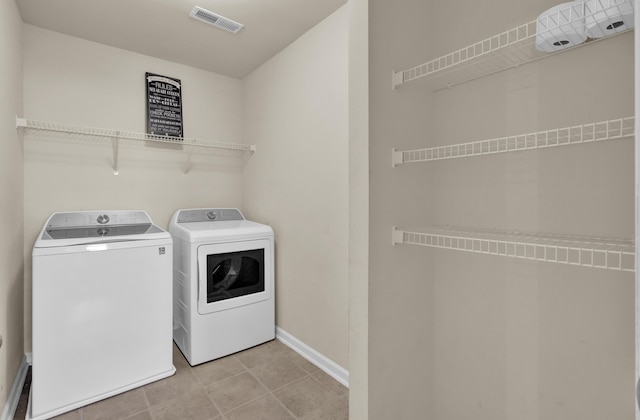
x=164, y=106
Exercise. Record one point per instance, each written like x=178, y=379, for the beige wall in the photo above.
x=73, y=81
x=485, y=337
x=358, y=209
x=295, y=111
x=400, y=279
x=637, y=191
x=11, y=202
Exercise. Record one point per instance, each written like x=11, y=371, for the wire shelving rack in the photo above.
x=511, y=48
x=83, y=133
x=587, y=133
x=605, y=253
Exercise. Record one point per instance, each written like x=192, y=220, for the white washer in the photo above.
x=223, y=283
x=101, y=308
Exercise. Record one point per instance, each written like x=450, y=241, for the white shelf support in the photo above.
x=587, y=133
x=397, y=157
x=187, y=164
x=605, y=253
x=116, y=154
x=397, y=79
x=397, y=236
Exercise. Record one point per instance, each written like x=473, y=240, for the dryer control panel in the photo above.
x=209, y=215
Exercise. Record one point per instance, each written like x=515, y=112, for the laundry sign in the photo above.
x=164, y=106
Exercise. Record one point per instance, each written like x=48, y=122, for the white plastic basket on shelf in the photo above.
x=561, y=27
x=608, y=17
x=605, y=253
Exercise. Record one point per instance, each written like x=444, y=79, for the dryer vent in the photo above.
x=214, y=19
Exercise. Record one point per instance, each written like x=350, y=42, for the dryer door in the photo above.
x=233, y=274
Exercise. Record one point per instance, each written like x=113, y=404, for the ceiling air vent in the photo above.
x=215, y=20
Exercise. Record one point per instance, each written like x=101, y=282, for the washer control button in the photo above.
x=103, y=219
x=212, y=215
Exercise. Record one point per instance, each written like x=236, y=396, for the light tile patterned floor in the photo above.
x=267, y=382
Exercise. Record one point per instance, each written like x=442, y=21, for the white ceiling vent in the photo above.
x=211, y=18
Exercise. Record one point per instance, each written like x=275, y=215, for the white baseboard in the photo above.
x=327, y=365
x=16, y=390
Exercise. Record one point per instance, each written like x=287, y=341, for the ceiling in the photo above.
x=163, y=28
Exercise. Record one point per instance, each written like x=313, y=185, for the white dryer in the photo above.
x=223, y=279
x=102, y=299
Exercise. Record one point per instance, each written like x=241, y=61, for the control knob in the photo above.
x=103, y=219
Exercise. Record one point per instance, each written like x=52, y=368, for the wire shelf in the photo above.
x=514, y=47
x=587, y=133
x=32, y=126
x=606, y=253
x=86, y=134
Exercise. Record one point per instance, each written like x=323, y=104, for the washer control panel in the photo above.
x=209, y=215
x=98, y=218
x=103, y=219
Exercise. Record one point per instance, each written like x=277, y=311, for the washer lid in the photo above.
x=99, y=231
x=76, y=219
x=74, y=228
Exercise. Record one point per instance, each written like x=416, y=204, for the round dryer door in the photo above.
x=233, y=274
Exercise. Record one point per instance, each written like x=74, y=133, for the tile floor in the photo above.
x=267, y=382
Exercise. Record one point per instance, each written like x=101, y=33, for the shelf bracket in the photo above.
x=397, y=157
x=397, y=236
x=116, y=153
x=187, y=164
x=21, y=122
x=397, y=78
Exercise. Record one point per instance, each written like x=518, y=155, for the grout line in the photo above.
x=246, y=370
x=285, y=407
x=242, y=363
x=146, y=399
x=272, y=392
x=206, y=391
x=266, y=394
x=204, y=387
x=138, y=413
x=291, y=383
